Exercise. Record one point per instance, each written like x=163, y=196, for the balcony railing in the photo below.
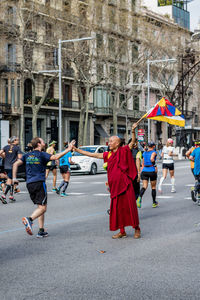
x=5, y=108
x=10, y=67
x=55, y=103
x=102, y=110
x=31, y=35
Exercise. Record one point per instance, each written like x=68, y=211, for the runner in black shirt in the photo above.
x=10, y=153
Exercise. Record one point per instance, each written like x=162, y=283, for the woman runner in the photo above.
x=149, y=171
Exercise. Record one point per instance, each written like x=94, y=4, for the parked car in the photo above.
x=21, y=173
x=85, y=164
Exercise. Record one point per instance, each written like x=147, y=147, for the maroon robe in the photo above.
x=122, y=171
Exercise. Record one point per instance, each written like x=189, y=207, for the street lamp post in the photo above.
x=59, y=71
x=148, y=83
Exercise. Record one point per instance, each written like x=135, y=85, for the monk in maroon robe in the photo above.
x=121, y=171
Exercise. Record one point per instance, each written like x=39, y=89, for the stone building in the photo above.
x=30, y=31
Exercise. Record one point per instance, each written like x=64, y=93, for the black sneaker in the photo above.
x=3, y=199
x=42, y=234
x=58, y=191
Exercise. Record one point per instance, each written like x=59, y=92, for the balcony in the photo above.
x=10, y=67
x=68, y=72
x=76, y=105
x=102, y=110
x=31, y=35
x=5, y=108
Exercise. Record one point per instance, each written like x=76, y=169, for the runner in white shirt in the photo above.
x=168, y=164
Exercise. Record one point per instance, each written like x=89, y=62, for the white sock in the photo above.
x=173, y=182
x=161, y=182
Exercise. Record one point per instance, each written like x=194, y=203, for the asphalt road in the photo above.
x=163, y=264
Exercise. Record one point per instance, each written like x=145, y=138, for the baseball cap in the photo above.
x=53, y=142
x=170, y=141
x=151, y=144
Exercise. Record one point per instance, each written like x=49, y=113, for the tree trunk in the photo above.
x=22, y=115
x=81, y=117
x=115, y=116
x=86, y=117
x=34, y=122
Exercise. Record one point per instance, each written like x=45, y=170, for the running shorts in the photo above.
x=149, y=175
x=64, y=169
x=9, y=173
x=51, y=168
x=170, y=167
x=38, y=192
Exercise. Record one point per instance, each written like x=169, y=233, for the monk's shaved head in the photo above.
x=114, y=142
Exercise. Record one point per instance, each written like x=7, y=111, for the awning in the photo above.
x=100, y=130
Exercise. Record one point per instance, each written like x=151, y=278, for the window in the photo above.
x=82, y=13
x=55, y=56
x=136, y=103
x=101, y=98
x=12, y=93
x=99, y=39
x=11, y=53
x=111, y=46
x=18, y=93
x=50, y=93
x=6, y=91
x=67, y=6
x=112, y=73
x=27, y=90
x=99, y=11
x=133, y=4
x=123, y=77
x=100, y=72
x=11, y=15
x=67, y=95
x=49, y=59
x=122, y=102
x=134, y=52
x=112, y=17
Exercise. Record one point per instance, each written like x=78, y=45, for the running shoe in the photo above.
x=155, y=204
x=159, y=189
x=42, y=234
x=193, y=194
x=3, y=199
x=28, y=225
x=12, y=199
x=58, y=191
x=54, y=190
x=139, y=202
x=16, y=190
x=63, y=194
x=173, y=190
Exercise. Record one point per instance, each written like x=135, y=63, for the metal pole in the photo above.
x=60, y=97
x=148, y=96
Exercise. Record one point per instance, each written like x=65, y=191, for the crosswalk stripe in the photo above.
x=101, y=195
x=189, y=184
x=164, y=197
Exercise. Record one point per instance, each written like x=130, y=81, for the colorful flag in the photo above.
x=166, y=112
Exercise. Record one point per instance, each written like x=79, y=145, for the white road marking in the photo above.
x=189, y=198
x=101, y=194
x=97, y=182
x=165, y=197
x=76, y=194
x=189, y=184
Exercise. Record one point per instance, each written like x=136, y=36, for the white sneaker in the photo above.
x=160, y=189
x=173, y=190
